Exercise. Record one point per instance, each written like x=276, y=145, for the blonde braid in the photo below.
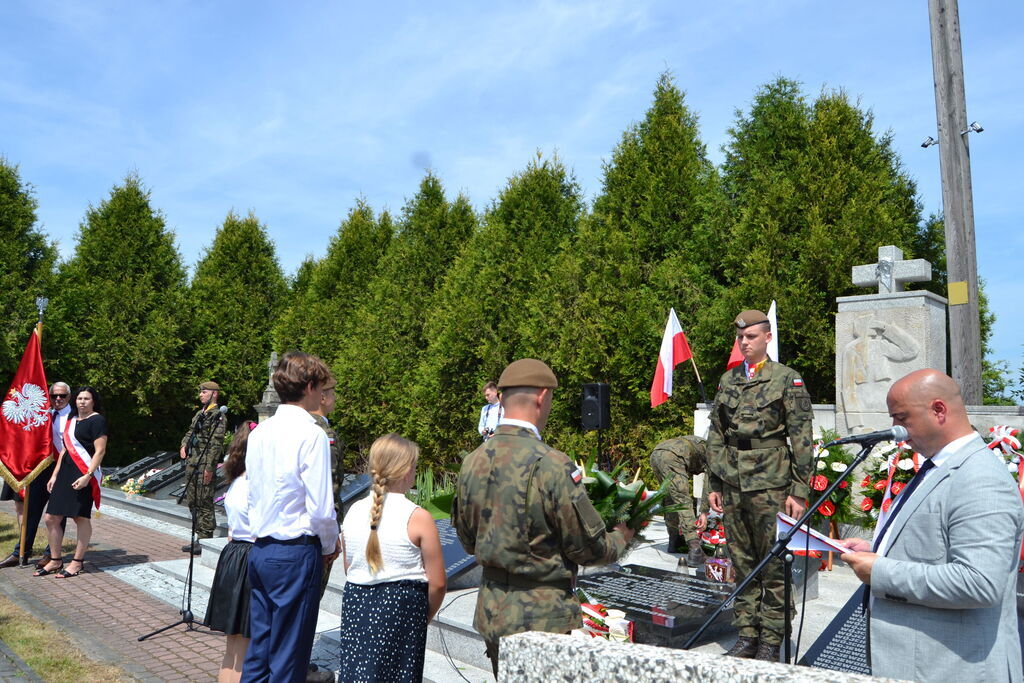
x=373, y=556
x=391, y=458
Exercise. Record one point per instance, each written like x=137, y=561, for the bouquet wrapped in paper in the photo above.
x=601, y=622
x=620, y=500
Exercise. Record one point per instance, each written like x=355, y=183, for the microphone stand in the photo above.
x=187, y=617
x=781, y=551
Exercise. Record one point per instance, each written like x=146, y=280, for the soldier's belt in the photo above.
x=502, y=576
x=751, y=444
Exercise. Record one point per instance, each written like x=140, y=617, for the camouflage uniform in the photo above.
x=203, y=455
x=676, y=460
x=337, y=474
x=750, y=464
x=519, y=509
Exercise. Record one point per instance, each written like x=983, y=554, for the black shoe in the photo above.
x=695, y=558
x=11, y=560
x=193, y=548
x=767, y=653
x=745, y=648
x=317, y=675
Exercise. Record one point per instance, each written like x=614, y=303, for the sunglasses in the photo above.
x=56, y=396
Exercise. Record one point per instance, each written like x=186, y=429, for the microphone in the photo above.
x=223, y=410
x=895, y=433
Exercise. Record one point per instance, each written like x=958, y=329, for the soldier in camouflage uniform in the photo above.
x=202, y=445
x=337, y=457
x=521, y=508
x=676, y=461
x=753, y=473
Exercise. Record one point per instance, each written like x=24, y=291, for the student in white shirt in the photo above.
x=291, y=512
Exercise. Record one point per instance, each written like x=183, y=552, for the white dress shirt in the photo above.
x=236, y=505
x=288, y=464
x=490, y=414
x=60, y=418
x=938, y=459
x=512, y=422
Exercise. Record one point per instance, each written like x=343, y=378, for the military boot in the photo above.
x=673, y=541
x=767, y=653
x=744, y=647
x=695, y=558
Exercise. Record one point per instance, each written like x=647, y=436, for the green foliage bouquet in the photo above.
x=621, y=501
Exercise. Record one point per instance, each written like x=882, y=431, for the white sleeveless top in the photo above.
x=236, y=504
x=402, y=559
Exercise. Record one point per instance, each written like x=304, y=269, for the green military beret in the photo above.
x=528, y=372
x=212, y=386
x=748, y=318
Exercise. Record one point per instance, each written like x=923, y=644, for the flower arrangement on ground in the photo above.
x=713, y=537
x=601, y=622
x=138, y=486
x=830, y=464
x=620, y=500
x=887, y=476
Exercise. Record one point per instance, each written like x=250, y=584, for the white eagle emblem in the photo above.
x=26, y=407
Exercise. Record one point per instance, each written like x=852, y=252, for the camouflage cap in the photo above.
x=528, y=372
x=748, y=318
x=212, y=386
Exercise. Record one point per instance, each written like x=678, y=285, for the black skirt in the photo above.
x=383, y=631
x=66, y=501
x=228, y=609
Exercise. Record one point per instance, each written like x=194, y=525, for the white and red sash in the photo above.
x=76, y=451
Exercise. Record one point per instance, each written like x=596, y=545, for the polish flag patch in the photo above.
x=577, y=475
x=798, y=382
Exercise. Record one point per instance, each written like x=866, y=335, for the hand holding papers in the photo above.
x=806, y=538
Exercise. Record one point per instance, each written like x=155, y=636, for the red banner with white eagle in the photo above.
x=25, y=420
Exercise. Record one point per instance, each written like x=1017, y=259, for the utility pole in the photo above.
x=957, y=200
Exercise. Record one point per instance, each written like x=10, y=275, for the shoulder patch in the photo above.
x=577, y=475
x=798, y=382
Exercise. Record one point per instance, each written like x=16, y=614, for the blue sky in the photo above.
x=295, y=109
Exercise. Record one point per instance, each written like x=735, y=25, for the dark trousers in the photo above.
x=285, y=580
x=38, y=496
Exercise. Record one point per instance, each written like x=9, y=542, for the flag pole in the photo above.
x=41, y=303
x=700, y=384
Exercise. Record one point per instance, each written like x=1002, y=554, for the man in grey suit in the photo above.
x=942, y=571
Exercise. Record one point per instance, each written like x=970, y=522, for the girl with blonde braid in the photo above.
x=395, y=578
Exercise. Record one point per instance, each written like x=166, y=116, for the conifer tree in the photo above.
x=480, y=320
x=290, y=328
x=318, y=319
x=26, y=267
x=236, y=293
x=812, y=191
x=648, y=246
x=117, y=322
x=379, y=353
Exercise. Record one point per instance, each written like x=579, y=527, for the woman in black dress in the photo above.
x=75, y=484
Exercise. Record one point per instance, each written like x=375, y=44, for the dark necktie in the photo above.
x=901, y=499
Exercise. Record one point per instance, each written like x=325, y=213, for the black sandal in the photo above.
x=65, y=574
x=43, y=561
x=43, y=571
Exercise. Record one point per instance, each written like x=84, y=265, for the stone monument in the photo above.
x=882, y=337
x=271, y=400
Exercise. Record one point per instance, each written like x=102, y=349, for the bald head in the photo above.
x=531, y=404
x=929, y=404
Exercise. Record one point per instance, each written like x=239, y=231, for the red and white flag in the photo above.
x=25, y=420
x=675, y=349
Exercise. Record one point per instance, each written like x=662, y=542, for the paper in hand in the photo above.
x=799, y=541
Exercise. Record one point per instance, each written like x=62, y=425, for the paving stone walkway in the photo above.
x=104, y=616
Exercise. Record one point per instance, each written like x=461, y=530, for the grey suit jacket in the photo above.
x=945, y=593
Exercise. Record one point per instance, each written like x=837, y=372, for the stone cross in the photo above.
x=891, y=271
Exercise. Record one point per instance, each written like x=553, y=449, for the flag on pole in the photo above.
x=773, y=345
x=735, y=356
x=25, y=420
x=675, y=349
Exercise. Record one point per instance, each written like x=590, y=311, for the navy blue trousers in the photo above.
x=285, y=596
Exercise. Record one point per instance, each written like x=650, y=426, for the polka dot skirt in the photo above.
x=383, y=631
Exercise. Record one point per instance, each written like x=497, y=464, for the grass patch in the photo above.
x=49, y=651
x=10, y=533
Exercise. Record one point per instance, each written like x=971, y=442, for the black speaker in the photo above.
x=595, y=410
